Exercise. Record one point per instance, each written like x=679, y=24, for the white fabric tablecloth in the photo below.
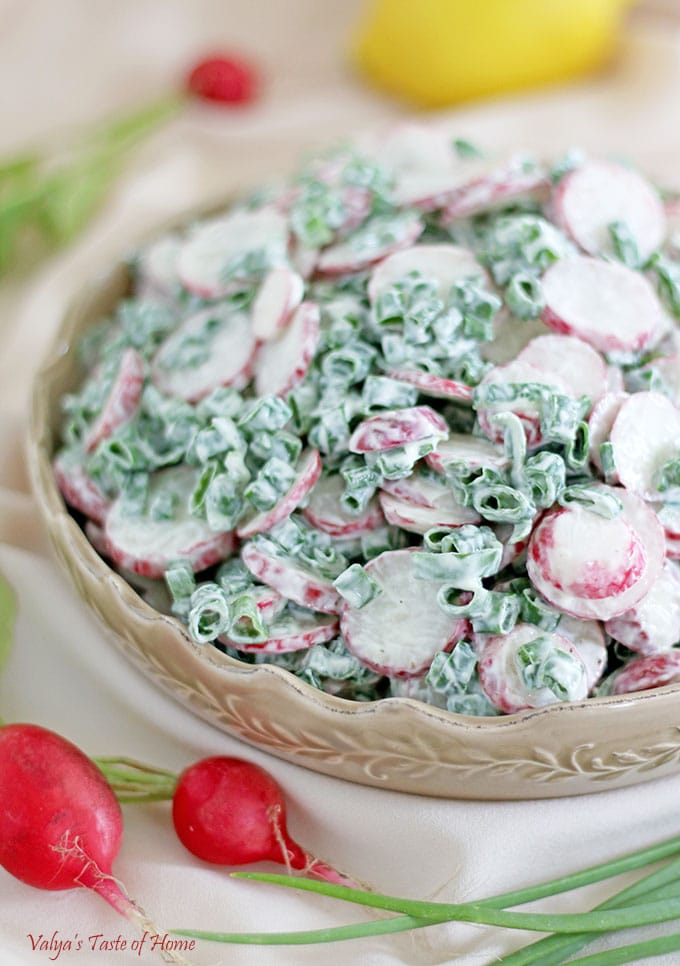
x=67, y=62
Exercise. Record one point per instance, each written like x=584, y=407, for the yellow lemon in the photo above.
x=438, y=52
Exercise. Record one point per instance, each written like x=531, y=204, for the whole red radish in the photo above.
x=232, y=812
x=228, y=80
x=60, y=823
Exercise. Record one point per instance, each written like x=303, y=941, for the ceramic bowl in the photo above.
x=395, y=743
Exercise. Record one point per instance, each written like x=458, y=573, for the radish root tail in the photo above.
x=113, y=891
x=274, y=816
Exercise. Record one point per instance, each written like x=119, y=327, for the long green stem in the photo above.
x=553, y=950
x=595, y=873
x=644, y=914
x=632, y=953
x=654, y=886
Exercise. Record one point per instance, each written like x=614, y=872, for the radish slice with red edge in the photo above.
x=576, y=363
x=78, y=488
x=370, y=244
x=213, y=347
x=397, y=427
x=600, y=425
x=308, y=472
x=214, y=247
x=268, y=601
x=148, y=547
x=519, y=372
x=475, y=451
x=420, y=488
x=644, y=673
x=420, y=519
x=441, y=264
x=326, y=512
x=430, y=385
x=598, y=194
x=292, y=580
x=610, y=306
x=279, y=295
x=292, y=633
x=502, y=186
x=590, y=566
x=399, y=632
x=500, y=678
x=283, y=362
x=653, y=625
x=122, y=402
x=644, y=436
x=589, y=640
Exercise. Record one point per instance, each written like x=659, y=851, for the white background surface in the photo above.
x=69, y=61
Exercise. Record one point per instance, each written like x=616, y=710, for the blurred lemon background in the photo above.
x=440, y=52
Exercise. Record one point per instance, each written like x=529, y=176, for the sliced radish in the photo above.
x=420, y=519
x=375, y=240
x=507, y=183
x=608, y=305
x=397, y=427
x=500, y=677
x=593, y=567
x=430, y=385
x=399, y=632
x=645, y=435
x=615, y=381
x=475, y=451
x=589, y=640
x=147, y=547
x=308, y=472
x=421, y=488
x=599, y=193
x=422, y=164
x=122, y=402
x=156, y=269
x=292, y=633
x=600, y=424
x=441, y=264
x=653, y=625
x=268, y=601
x=518, y=373
x=303, y=259
x=510, y=335
x=227, y=360
x=78, y=488
x=293, y=581
x=214, y=247
x=672, y=547
x=357, y=203
x=512, y=549
x=279, y=295
x=283, y=363
x=644, y=673
x=575, y=362
x=326, y=512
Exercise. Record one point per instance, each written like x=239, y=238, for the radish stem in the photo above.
x=134, y=781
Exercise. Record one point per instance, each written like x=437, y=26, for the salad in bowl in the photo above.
x=404, y=425
x=378, y=468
